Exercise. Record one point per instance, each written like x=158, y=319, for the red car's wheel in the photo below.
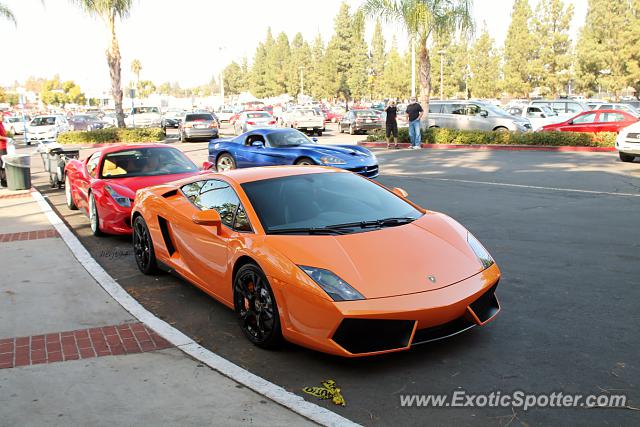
x=68, y=195
x=94, y=219
x=256, y=307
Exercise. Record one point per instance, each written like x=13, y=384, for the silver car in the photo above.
x=198, y=125
x=473, y=115
x=250, y=120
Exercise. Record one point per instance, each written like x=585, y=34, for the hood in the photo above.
x=391, y=261
x=129, y=186
x=341, y=151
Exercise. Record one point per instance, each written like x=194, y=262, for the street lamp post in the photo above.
x=441, y=52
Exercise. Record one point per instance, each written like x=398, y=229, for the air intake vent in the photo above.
x=166, y=235
x=170, y=194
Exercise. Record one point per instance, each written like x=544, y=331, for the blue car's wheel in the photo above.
x=225, y=162
x=305, y=161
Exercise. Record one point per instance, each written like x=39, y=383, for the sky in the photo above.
x=187, y=41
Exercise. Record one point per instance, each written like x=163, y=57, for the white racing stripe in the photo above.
x=504, y=184
x=258, y=384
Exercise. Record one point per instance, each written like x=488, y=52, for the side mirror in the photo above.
x=209, y=217
x=484, y=113
x=257, y=144
x=570, y=122
x=400, y=192
x=314, y=139
x=543, y=116
x=206, y=166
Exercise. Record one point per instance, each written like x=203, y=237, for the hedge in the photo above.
x=112, y=135
x=462, y=137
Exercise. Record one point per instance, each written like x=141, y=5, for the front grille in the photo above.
x=633, y=135
x=487, y=305
x=370, y=335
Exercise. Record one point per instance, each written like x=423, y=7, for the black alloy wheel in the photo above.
x=256, y=308
x=143, y=247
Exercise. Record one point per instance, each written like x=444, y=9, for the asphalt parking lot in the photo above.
x=563, y=227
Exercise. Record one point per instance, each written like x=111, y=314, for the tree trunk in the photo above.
x=113, y=59
x=424, y=74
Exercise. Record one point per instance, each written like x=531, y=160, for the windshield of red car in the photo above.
x=322, y=200
x=146, y=162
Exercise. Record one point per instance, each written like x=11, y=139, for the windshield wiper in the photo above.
x=384, y=222
x=311, y=230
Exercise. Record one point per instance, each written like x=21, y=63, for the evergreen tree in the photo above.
x=357, y=75
x=277, y=62
x=258, y=76
x=631, y=46
x=519, y=51
x=551, y=30
x=396, y=77
x=602, y=63
x=233, y=79
x=378, y=58
x=300, y=55
x=484, y=64
x=339, y=50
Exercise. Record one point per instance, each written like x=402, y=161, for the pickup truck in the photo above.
x=305, y=120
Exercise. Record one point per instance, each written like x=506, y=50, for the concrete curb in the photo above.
x=497, y=147
x=274, y=392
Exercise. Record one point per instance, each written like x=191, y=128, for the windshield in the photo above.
x=43, y=121
x=323, y=200
x=143, y=110
x=366, y=113
x=307, y=113
x=13, y=119
x=288, y=138
x=258, y=115
x=146, y=162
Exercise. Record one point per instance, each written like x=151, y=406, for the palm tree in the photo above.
x=422, y=19
x=6, y=13
x=109, y=11
x=136, y=67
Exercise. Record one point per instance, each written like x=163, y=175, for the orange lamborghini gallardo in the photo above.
x=320, y=257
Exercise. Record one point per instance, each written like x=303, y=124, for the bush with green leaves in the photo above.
x=112, y=135
x=464, y=137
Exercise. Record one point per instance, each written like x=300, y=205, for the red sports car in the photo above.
x=104, y=185
x=594, y=121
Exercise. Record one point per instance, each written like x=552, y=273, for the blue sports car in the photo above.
x=272, y=147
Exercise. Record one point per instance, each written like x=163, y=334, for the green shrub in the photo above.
x=463, y=137
x=112, y=135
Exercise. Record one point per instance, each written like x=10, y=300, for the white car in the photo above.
x=628, y=142
x=224, y=114
x=538, y=115
x=144, y=117
x=307, y=120
x=44, y=128
x=622, y=107
x=14, y=125
x=250, y=120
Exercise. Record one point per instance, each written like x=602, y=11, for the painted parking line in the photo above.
x=128, y=338
x=504, y=184
x=258, y=384
x=48, y=233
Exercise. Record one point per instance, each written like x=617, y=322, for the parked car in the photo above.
x=309, y=120
x=361, y=121
x=15, y=124
x=85, y=122
x=628, y=142
x=171, y=118
x=104, y=185
x=250, y=120
x=594, y=121
x=621, y=107
x=303, y=254
x=225, y=114
x=565, y=108
x=43, y=128
x=284, y=146
x=634, y=103
x=144, y=117
x=198, y=125
x=334, y=115
x=474, y=115
x=538, y=115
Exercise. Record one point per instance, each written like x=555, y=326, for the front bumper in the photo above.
x=41, y=136
x=114, y=219
x=370, y=171
x=384, y=325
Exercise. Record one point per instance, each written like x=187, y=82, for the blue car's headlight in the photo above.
x=119, y=198
x=483, y=255
x=331, y=160
x=338, y=289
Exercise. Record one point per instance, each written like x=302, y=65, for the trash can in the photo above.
x=18, y=170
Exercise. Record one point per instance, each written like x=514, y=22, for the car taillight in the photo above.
x=187, y=125
x=272, y=122
x=213, y=125
x=251, y=123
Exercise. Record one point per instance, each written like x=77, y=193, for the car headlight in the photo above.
x=338, y=289
x=119, y=198
x=483, y=255
x=331, y=160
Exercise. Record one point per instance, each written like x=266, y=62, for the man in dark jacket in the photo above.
x=414, y=115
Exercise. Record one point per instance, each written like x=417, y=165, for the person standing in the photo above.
x=414, y=115
x=392, y=124
x=3, y=151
